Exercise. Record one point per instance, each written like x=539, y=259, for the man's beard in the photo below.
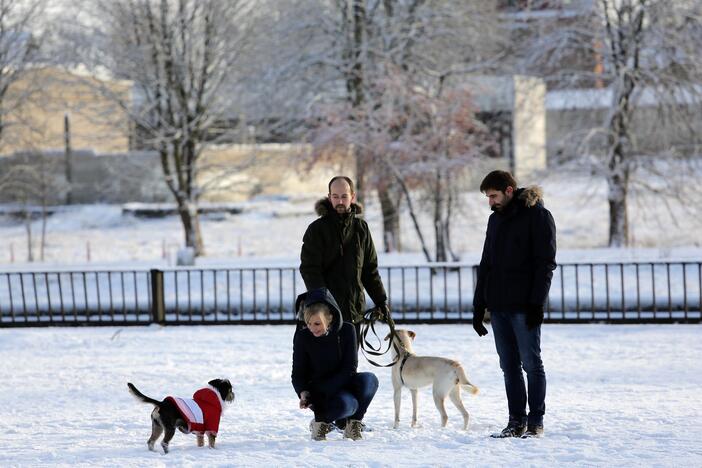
x=341, y=209
x=496, y=208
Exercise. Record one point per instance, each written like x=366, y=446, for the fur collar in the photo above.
x=323, y=207
x=531, y=195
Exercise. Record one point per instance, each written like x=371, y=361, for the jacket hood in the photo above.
x=314, y=296
x=323, y=207
x=531, y=195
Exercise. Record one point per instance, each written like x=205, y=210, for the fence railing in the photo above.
x=584, y=292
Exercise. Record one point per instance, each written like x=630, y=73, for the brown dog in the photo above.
x=414, y=372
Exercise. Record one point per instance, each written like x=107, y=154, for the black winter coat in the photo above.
x=519, y=255
x=324, y=365
x=338, y=253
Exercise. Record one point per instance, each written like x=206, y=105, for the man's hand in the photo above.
x=382, y=312
x=534, y=316
x=304, y=399
x=478, y=317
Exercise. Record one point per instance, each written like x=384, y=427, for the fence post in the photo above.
x=158, y=305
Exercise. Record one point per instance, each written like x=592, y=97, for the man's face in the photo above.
x=498, y=199
x=341, y=197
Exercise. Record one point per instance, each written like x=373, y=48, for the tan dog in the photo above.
x=414, y=372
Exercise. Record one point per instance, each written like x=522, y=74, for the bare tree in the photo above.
x=19, y=50
x=180, y=56
x=425, y=142
x=644, y=57
x=345, y=50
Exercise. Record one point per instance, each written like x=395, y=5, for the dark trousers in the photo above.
x=518, y=347
x=352, y=401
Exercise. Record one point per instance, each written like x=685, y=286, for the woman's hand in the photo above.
x=304, y=399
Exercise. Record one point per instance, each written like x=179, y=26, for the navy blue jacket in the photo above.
x=324, y=365
x=519, y=255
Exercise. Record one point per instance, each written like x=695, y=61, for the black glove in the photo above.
x=478, y=317
x=382, y=312
x=534, y=316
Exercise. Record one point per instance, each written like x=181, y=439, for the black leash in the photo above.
x=368, y=326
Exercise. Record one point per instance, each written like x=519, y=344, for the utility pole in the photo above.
x=67, y=143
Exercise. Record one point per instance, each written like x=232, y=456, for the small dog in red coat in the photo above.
x=199, y=415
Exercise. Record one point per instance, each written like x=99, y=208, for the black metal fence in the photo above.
x=661, y=292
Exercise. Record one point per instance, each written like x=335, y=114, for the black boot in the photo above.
x=533, y=430
x=515, y=428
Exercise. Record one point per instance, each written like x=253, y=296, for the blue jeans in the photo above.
x=518, y=347
x=352, y=401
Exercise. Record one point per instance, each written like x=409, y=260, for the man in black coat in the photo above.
x=514, y=279
x=338, y=253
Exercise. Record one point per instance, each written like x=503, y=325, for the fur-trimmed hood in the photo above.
x=314, y=296
x=531, y=195
x=323, y=207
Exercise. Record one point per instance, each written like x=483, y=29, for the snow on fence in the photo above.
x=439, y=292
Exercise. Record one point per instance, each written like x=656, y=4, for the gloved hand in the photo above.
x=478, y=317
x=534, y=316
x=382, y=312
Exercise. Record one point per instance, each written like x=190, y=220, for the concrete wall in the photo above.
x=577, y=121
x=39, y=100
x=227, y=174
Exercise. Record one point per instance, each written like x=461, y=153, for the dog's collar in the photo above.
x=402, y=365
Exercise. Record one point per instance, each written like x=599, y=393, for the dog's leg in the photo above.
x=455, y=396
x=156, y=429
x=211, y=439
x=413, y=392
x=439, y=399
x=397, y=396
x=200, y=440
x=167, y=438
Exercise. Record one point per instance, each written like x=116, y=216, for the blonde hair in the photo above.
x=318, y=308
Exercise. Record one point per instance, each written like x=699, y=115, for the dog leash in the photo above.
x=402, y=366
x=368, y=326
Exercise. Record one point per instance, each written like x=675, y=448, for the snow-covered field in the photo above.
x=617, y=396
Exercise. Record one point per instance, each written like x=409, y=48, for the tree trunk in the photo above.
x=618, y=216
x=389, y=205
x=190, y=219
x=28, y=228
x=439, y=235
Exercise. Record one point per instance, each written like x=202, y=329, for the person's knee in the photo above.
x=368, y=382
x=533, y=365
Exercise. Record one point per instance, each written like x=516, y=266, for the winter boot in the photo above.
x=353, y=430
x=514, y=428
x=533, y=431
x=319, y=430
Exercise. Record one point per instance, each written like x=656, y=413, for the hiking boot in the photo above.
x=533, y=431
x=319, y=430
x=513, y=429
x=353, y=430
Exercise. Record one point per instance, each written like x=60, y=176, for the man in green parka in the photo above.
x=338, y=253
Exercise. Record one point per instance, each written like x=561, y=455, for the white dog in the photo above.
x=414, y=372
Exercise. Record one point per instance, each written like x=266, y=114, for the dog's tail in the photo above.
x=140, y=396
x=463, y=380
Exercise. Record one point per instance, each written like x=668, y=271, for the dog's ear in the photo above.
x=411, y=334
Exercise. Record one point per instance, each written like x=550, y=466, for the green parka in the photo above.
x=338, y=253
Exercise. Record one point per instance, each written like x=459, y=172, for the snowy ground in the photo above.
x=617, y=396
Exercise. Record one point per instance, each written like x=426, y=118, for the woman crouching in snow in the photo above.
x=325, y=359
